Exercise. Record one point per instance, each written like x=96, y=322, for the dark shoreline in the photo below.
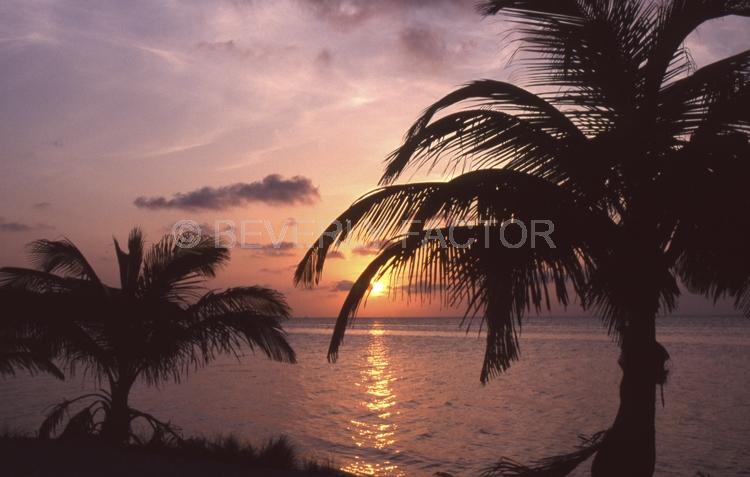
x=32, y=457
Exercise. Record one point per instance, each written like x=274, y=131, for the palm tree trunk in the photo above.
x=629, y=449
x=116, y=426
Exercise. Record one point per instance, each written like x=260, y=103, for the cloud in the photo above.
x=417, y=287
x=231, y=49
x=277, y=249
x=372, y=248
x=336, y=254
x=344, y=13
x=41, y=205
x=278, y=270
x=430, y=46
x=216, y=229
x=424, y=44
x=342, y=286
x=273, y=189
x=226, y=47
x=57, y=143
x=348, y=14
x=324, y=58
x=11, y=226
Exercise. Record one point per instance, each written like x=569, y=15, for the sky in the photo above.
x=275, y=114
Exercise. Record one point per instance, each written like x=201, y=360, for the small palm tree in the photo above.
x=156, y=327
x=640, y=162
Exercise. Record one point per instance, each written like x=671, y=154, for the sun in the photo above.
x=378, y=288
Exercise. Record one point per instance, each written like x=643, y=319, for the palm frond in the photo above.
x=130, y=262
x=81, y=424
x=497, y=282
x=252, y=314
x=57, y=413
x=712, y=98
x=31, y=355
x=477, y=139
x=676, y=20
x=176, y=273
x=557, y=9
x=557, y=466
x=161, y=432
x=53, y=420
x=611, y=294
x=709, y=251
x=504, y=106
x=383, y=212
x=60, y=325
x=500, y=284
x=506, y=97
x=172, y=340
x=590, y=49
x=24, y=279
x=61, y=256
x=493, y=194
x=254, y=299
x=357, y=295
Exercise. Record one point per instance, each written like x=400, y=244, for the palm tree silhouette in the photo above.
x=637, y=158
x=156, y=327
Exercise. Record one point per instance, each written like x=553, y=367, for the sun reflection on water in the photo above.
x=376, y=429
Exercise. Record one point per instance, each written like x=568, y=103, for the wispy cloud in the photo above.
x=342, y=286
x=273, y=189
x=336, y=254
x=11, y=226
x=368, y=249
x=278, y=270
x=277, y=249
x=348, y=14
x=429, y=46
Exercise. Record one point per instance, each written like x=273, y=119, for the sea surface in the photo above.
x=405, y=397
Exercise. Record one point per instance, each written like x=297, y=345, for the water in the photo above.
x=405, y=397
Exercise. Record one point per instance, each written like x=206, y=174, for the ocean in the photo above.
x=405, y=399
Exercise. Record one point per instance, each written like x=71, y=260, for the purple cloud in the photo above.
x=335, y=254
x=273, y=189
x=368, y=249
x=423, y=43
x=277, y=249
x=11, y=226
x=347, y=14
x=342, y=286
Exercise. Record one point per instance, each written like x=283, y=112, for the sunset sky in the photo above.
x=278, y=111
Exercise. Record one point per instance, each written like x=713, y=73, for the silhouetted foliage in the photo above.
x=157, y=326
x=232, y=456
x=556, y=466
x=28, y=354
x=640, y=160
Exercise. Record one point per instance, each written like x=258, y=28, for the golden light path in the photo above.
x=377, y=429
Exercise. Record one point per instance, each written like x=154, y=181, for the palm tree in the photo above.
x=156, y=327
x=638, y=159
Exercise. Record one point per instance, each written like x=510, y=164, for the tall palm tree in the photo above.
x=640, y=161
x=157, y=326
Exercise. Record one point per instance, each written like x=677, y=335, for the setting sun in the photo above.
x=378, y=288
